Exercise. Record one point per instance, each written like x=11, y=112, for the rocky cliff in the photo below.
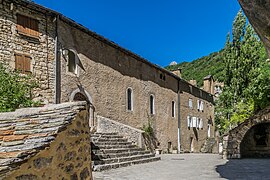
x=258, y=14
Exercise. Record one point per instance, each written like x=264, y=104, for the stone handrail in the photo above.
x=134, y=135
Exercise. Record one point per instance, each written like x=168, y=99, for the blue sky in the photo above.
x=160, y=31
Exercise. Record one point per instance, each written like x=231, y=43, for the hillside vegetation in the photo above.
x=198, y=69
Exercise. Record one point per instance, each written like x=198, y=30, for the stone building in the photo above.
x=72, y=63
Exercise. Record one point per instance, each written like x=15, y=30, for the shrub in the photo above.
x=15, y=90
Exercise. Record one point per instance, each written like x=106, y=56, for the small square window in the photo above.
x=23, y=63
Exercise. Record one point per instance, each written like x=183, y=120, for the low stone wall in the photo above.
x=134, y=135
x=51, y=142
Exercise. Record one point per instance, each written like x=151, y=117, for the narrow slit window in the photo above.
x=173, y=109
x=152, y=104
x=129, y=99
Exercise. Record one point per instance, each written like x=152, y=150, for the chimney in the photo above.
x=208, y=84
x=177, y=72
x=193, y=82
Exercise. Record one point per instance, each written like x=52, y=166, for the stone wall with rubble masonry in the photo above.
x=40, y=49
x=36, y=146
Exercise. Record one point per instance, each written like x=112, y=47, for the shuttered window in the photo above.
x=23, y=63
x=27, y=25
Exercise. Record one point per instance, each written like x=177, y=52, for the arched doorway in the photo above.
x=256, y=142
x=81, y=95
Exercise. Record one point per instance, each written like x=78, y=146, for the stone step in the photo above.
x=100, y=133
x=122, y=159
x=109, y=140
x=120, y=150
x=118, y=155
x=124, y=164
x=117, y=146
x=107, y=136
x=110, y=143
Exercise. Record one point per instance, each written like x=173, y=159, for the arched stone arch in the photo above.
x=232, y=140
x=81, y=91
x=81, y=94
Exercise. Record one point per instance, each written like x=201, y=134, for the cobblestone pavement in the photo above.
x=191, y=166
x=171, y=167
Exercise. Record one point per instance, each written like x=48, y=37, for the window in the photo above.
x=129, y=99
x=27, y=26
x=23, y=63
x=162, y=76
x=173, y=109
x=72, y=67
x=189, y=123
x=201, y=124
x=190, y=103
x=200, y=105
x=152, y=104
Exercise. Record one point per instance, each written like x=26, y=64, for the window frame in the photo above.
x=131, y=99
x=25, y=58
x=190, y=103
x=152, y=104
x=28, y=26
x=76, y=68
x=173, y=109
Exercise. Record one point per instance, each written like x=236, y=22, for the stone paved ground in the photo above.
x=191, y=166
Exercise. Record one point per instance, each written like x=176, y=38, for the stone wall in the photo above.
x=134, y=135
x=108, y=74
x=108, y=71
x=46, y=143
x=40, y=49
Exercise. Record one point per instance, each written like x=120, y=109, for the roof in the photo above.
x=27, y=131
x=43, y=9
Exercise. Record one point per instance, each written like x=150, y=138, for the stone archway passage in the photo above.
x=256, y=142
x=250, y=138
x=81, y=94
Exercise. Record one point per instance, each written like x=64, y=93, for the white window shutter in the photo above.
x=188, y=121
x=198, y=104
x=201, y=124
x=194, y=119
x=202, y=106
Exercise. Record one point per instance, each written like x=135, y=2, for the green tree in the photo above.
x=243, y=56
x=15, y=90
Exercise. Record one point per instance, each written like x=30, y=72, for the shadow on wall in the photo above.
x=245, y=169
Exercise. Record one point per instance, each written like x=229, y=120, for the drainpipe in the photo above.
x=179, y=123
x=57, y=86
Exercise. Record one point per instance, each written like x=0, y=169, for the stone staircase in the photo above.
x=110, y=150
x=208, y=145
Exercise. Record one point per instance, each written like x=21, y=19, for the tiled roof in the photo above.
x=25, y=132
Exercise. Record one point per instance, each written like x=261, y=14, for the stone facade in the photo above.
x=103, y=74
x=46, y=143
x=40, y=49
